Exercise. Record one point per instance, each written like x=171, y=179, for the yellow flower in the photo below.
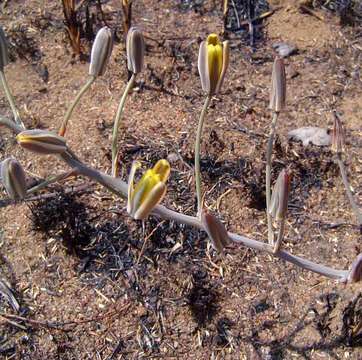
x=149, y=191
x=213, y=63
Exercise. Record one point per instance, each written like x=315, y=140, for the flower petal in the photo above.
x=135, y=165
x=203, y=67
x=152, y=198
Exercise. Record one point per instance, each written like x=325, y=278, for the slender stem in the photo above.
x=116, y=123
x=72, y=106
x=11, y=100
x=269, y=151
x=280, y=235
x=119, y=187
x=51, y=180
x=347, y=186
x=197, y=154
x=11, y=125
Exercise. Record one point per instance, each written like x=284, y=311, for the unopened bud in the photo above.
x=355, y=273
x=280, y=195
x=215, y=230
x=213, y=62
x=279, y=88
x=135, y=45
x=149, y=191
x=101, y=52
x=338, y=136
x=4, y=55
x=42, y=142
x=13, y=178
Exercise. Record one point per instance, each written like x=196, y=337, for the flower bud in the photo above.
x=135, y=46
x=215, y=230
x=101, y=52
x=279, y=200
x=4, y=55
x=355, y=273
x=338, y=136
x=13, y=178
x=279, y=88
x=149, y=191
x=212, y=63
x=42, y=142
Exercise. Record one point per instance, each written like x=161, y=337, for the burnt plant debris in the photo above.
x=195, y=5
x=202, y=298
x=63, y=217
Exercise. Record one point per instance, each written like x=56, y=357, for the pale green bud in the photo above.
x=101, y=52
x=135, y=46
x=279, y=86
x=13, y=179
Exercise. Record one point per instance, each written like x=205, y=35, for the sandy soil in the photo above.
x=75, y=261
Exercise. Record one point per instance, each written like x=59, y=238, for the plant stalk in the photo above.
x=11, y=100
x=355, y=208
x=269, y=151
x=198, y=180
x=75, y=102
x=119, y=187
x=51, y=180
x=116, y=123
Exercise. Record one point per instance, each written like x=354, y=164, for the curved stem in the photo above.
x=51, y=180
x=269, y=151
x=11, y=100
x=119, y=187
x=116, y=123
x=11, y=125
x=355, y=208
x=72, y=106
x=197, y=155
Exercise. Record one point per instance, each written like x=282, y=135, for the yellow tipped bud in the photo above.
x=212, y=63
x=42, y=142
x=13, y=178
x=149, y=191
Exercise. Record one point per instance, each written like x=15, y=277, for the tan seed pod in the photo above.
x=216, y=231
x=279, y=199
x=355, y=273
x=279, y=86
x=42, y=142
x=101, y=52
x=338, y=136
x=135, y=46
x=13, y=178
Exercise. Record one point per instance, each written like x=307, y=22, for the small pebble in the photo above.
x=284, y=50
